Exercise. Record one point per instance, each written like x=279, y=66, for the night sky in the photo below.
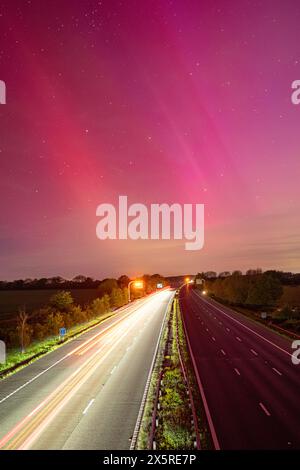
x=163, y=101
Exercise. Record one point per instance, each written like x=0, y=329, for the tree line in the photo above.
x=253, y=290
x=78, y=282
x=61, y=311
x=285, y=278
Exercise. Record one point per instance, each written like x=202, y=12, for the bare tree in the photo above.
x=22, y=323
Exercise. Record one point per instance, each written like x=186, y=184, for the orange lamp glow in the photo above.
x=138, y=284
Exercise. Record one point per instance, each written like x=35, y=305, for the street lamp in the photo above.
x=137, y=284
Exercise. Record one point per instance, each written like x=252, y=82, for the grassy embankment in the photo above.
x=174, y=430
x=290, y=296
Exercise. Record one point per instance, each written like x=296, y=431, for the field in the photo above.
x=291, y=296
x=11, y=301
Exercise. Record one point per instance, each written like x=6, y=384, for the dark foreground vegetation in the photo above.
x=174, y=430
x=173, y=415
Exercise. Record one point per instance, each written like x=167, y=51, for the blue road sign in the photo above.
x=62, y=332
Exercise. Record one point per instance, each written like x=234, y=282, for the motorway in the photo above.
x=86, y=394
x=250, y=387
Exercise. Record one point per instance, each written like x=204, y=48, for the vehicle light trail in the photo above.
x=24, y=434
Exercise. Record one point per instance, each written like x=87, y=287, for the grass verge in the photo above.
x=143, y=437
x=174, y=428
x=205, y=436
x=15, y=359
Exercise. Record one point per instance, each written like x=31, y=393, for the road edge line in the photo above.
x=146, y=390
x=202, y=393
x=35, y=377
x=245, y=326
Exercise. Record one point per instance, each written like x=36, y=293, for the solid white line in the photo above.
x=277, y=371
x=113, y=369
x=144, y=398
x=42, y=426
x=254, y=352
x=89, y=340
x=237, y=371
x=33, y=378
x=202, y=393
x=52, y=415
x=88, y=406
x=264, y=409
x=246, y=327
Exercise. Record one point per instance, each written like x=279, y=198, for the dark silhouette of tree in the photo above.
x=107, y=286
x=23, y=329
x=123, y=281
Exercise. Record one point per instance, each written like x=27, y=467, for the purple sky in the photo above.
x=163, y=101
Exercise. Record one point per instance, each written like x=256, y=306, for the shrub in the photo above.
x=176, y=437
x=62, y=301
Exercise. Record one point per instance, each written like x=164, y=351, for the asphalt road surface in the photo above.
x=86, y=394
x=251, y=387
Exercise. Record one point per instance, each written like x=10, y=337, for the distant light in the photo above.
x=191, y=281
x=138, y=284
x=187, y=280
x=204, y=292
